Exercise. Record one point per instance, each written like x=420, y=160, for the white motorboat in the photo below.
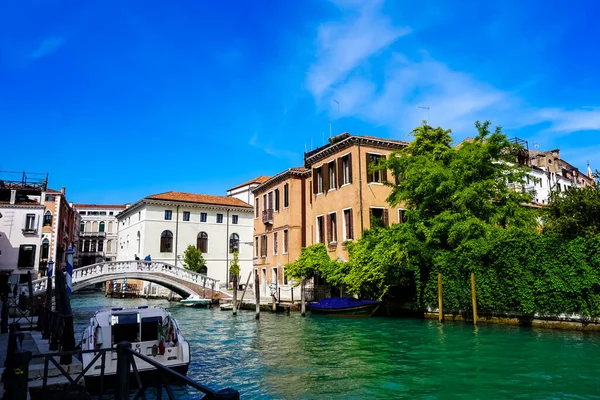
x=152, y=332
x=196, y=301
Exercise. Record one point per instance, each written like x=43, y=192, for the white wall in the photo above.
x=152, y=223
x=12, y=236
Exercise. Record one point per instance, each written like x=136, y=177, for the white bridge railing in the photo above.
x=80, y=275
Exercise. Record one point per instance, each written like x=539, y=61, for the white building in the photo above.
x=98, y=235
x=21, y=213
x=244, y=191
x=164, y=225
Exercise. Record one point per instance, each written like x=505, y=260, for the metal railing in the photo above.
x=88, y=234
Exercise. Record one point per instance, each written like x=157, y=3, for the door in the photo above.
x=263, y=282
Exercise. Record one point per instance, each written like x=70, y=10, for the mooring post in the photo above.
x=302, y=298
x=440, y=306
x=212, y=291
x=235, y=290
x=474, y=295
x=257, y=294
x=124, y=358
x=20, y=375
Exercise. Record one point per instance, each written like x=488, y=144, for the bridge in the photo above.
x=181, y=281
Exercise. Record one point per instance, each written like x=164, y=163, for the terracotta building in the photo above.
x=330, y=200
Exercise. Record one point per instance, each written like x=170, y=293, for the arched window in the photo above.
x=88, y=226
x=101, y=229
x=234, y=243
x=110, y=225
x=94, y=226
x=82, y=227
x=45, y=248
x=202, y=242
x=48, y=218
x=166, y=242
x=139, y=240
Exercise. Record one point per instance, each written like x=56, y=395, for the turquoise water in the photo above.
x=319, y=357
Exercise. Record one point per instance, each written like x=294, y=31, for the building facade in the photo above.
x=21, y=214
x=244, y=191
x=58, y=229
x=332, y=199
x=98, y=232
x=162, y=226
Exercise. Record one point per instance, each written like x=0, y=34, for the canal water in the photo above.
x=319, y=357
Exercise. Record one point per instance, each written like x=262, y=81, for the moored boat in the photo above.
x=152, y=332
x=196, y=301
x=344, y=306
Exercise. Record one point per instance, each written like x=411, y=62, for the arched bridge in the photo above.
x=181, y=281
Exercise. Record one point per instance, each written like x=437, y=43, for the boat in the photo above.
x=152, y=332
x=344, y=306
x=196, y=301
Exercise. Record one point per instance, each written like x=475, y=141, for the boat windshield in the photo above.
x=150, y=328
x=125, y=327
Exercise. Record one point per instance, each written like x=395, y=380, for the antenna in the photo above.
x=536, y=146
x=425, y=108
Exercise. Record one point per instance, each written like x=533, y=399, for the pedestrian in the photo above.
x=139, y=264
x=147, y=260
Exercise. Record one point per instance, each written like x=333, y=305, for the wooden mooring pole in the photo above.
x=257, y=294
x=302, y=298
x=440, y=305
x=474, y=296
x=243, y=293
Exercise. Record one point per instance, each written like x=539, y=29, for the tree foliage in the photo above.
x=314, y=260
x=234, y=266
x=193, y=259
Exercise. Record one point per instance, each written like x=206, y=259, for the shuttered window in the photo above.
x=276, y=199
x=166, y=242
x=332, y=228
x=374, y=174
x=348, y=225
x=202, y=242
x=286, y=195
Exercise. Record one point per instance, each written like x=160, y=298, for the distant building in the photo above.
x=98, y=235
x=244, y=191
x=164, y=225
x=330, y=200
x=21, y=213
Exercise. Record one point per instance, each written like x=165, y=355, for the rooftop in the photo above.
x=258, y=180
x=98, y=206
x=199, y=198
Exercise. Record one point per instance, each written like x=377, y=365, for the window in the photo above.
x=379, y=217
x=332, y=228
x=102, y=212
x=265, y=202
x=82, y=212
x=219, y=218
x=49, y=198
x=100, y=245
x=286, y=195
x=111, y=213
x=101, y=229
x=109, y=246
x=94, y=226
x=285, y=241
x=81, y=246
x=202, y=242
x=318, y=180
x=234, y=243
x=401, y=217
x=345, y=169
x=203, y=217
x=168, y=214
x=234, y=219
x=45, y=249
x=110, y=227
x=86, y=246
x=256, y=206
x=276, y=199
x=378, y=176
x=81, y=227
x=29, y=222
x=139, y=241
x=93, y=246
x=348, y=226
x=270, y=200
x=320, y=230
x=26, y=256
x=256, y=246
x=48, y=218
x=331, y=169
x=166, y=241
x=186, y=215
x=275, y=243
x=263, y=246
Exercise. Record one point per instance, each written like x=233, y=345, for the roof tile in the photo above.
x=199, y=198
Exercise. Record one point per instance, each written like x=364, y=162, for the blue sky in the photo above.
x=121, y=99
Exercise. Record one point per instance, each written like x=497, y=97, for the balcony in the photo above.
x=92, y=253
x=92, y=234
x=267, y=216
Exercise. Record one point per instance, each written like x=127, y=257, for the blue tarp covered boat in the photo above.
x=344, y=305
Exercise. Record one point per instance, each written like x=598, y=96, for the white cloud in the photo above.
x=455, y=99
x=268, y=149
x=47, y=47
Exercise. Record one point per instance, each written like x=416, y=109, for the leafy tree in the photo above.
x=575, y=212
x=314, y=260
x=234, y=266
x=193, y=259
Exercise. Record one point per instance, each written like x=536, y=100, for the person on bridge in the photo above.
x=147, y=260
x=139, y=264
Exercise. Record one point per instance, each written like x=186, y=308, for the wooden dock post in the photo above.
x=440, y=305
x=302, y=298
x=235, y=290
x=257, y=295
x=244, y=292
x=474, y=295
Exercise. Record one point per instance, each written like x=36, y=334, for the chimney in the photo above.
x=62, y=190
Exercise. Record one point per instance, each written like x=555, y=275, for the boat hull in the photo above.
x=366, y=310
x=149, y=377
x=195, y=304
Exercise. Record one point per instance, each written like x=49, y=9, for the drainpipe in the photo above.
x=360, y=188
x=176, y=234
x=227, y=254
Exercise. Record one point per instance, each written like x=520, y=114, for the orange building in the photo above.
x=331, y=200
